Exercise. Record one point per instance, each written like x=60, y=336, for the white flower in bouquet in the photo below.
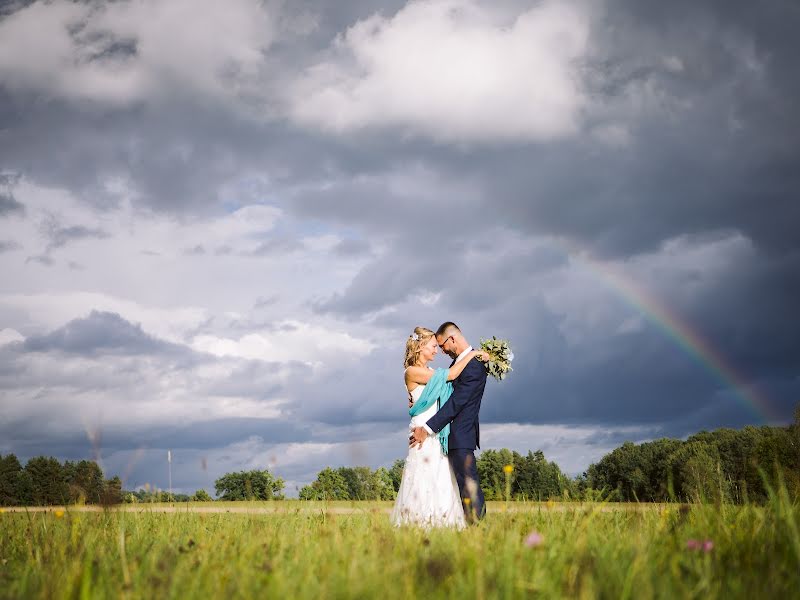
x=500, y=357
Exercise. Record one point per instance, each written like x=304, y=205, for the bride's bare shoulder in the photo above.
x=414, y=376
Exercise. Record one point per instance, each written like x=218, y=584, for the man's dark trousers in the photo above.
x=469, y=486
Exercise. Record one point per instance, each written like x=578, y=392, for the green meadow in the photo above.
x=295, y=549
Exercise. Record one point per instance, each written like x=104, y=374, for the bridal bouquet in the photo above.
x=500, y=357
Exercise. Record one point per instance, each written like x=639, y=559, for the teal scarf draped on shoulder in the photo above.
x=438, y=389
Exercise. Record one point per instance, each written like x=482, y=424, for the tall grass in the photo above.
x=308, y=551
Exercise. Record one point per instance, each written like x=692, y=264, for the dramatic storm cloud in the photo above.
x=219, y=222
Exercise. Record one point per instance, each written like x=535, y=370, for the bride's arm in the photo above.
x=422, y=375
x=456, y=369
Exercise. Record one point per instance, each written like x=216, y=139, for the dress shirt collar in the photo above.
x=463, y=354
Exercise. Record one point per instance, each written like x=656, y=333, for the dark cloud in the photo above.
x=42, y=259
x=199, y=435
x=197, y=250
x=60, y=236
x=265, y=301
x=352, y=247
x=278, y=246
x=9, y=205
x=8, y=246
x=100, y=333
x=688, y=142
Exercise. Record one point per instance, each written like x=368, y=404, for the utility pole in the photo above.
x=169, y=462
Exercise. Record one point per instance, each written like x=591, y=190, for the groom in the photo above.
x=461, y=411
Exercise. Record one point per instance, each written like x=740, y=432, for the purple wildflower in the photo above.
x=534, y=539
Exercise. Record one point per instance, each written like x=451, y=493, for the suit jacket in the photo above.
x=462, y=409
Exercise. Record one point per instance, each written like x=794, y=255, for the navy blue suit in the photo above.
x=461, y=411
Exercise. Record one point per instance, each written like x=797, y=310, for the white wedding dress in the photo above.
x=428, y=494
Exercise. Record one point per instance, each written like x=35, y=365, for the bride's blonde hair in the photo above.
x=414, y=344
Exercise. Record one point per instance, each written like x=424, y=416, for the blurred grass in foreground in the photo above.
x=309, y=551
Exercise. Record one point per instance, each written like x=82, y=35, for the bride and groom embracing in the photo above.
x=440, y=484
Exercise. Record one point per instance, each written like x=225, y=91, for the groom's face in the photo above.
x=447, y=345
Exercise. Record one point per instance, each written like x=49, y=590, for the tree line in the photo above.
x=45, y=481
x=354, y=483
x=502, y=472
x=724, y=465
x=242, y=485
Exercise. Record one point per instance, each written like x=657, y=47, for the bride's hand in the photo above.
x=483, y=356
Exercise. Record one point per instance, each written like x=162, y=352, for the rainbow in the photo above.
x=676, y=330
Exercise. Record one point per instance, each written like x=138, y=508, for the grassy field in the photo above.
x=349, y=550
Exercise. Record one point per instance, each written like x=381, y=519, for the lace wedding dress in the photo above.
x=428, y=494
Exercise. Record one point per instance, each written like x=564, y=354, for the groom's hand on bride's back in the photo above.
x=418, y=435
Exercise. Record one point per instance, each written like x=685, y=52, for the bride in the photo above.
x=428, y=494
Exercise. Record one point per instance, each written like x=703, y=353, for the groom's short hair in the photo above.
x=444, y=327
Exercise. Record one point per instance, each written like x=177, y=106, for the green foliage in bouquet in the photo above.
x=500, y=357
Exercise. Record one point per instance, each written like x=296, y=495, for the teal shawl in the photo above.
x=438, y=389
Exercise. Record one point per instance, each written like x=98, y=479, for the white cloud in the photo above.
x=613, y=134
x=9, y=335
x=673, y=64
x=83, y=51
x=291, y=340
x=67, y=392
x=452, y=70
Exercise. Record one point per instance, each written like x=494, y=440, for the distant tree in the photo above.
x=396, y=473
x=85, y=481
x=249, y=485
x=491, y=474
x=697, y=474
x=777, y=455
x=307, y=492
x=10, y=480
x=530, y=477
x=540, y=479
x=201, y=496
x=350, y=483
x=656, y=466
x=329, y=485
x=381, y=485
x=365, y=484
x=155, y=495
x=25, y=488
x=354, y=480
x=112, y=492
x=794, y=441
x=634, y=472
x=47, y=480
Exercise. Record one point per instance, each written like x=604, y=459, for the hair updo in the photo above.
x=414, y=344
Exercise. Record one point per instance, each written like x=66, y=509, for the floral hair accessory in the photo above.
x=415, y=337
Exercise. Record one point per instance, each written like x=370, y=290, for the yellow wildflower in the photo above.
x=508, y=468
x=58, y=513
